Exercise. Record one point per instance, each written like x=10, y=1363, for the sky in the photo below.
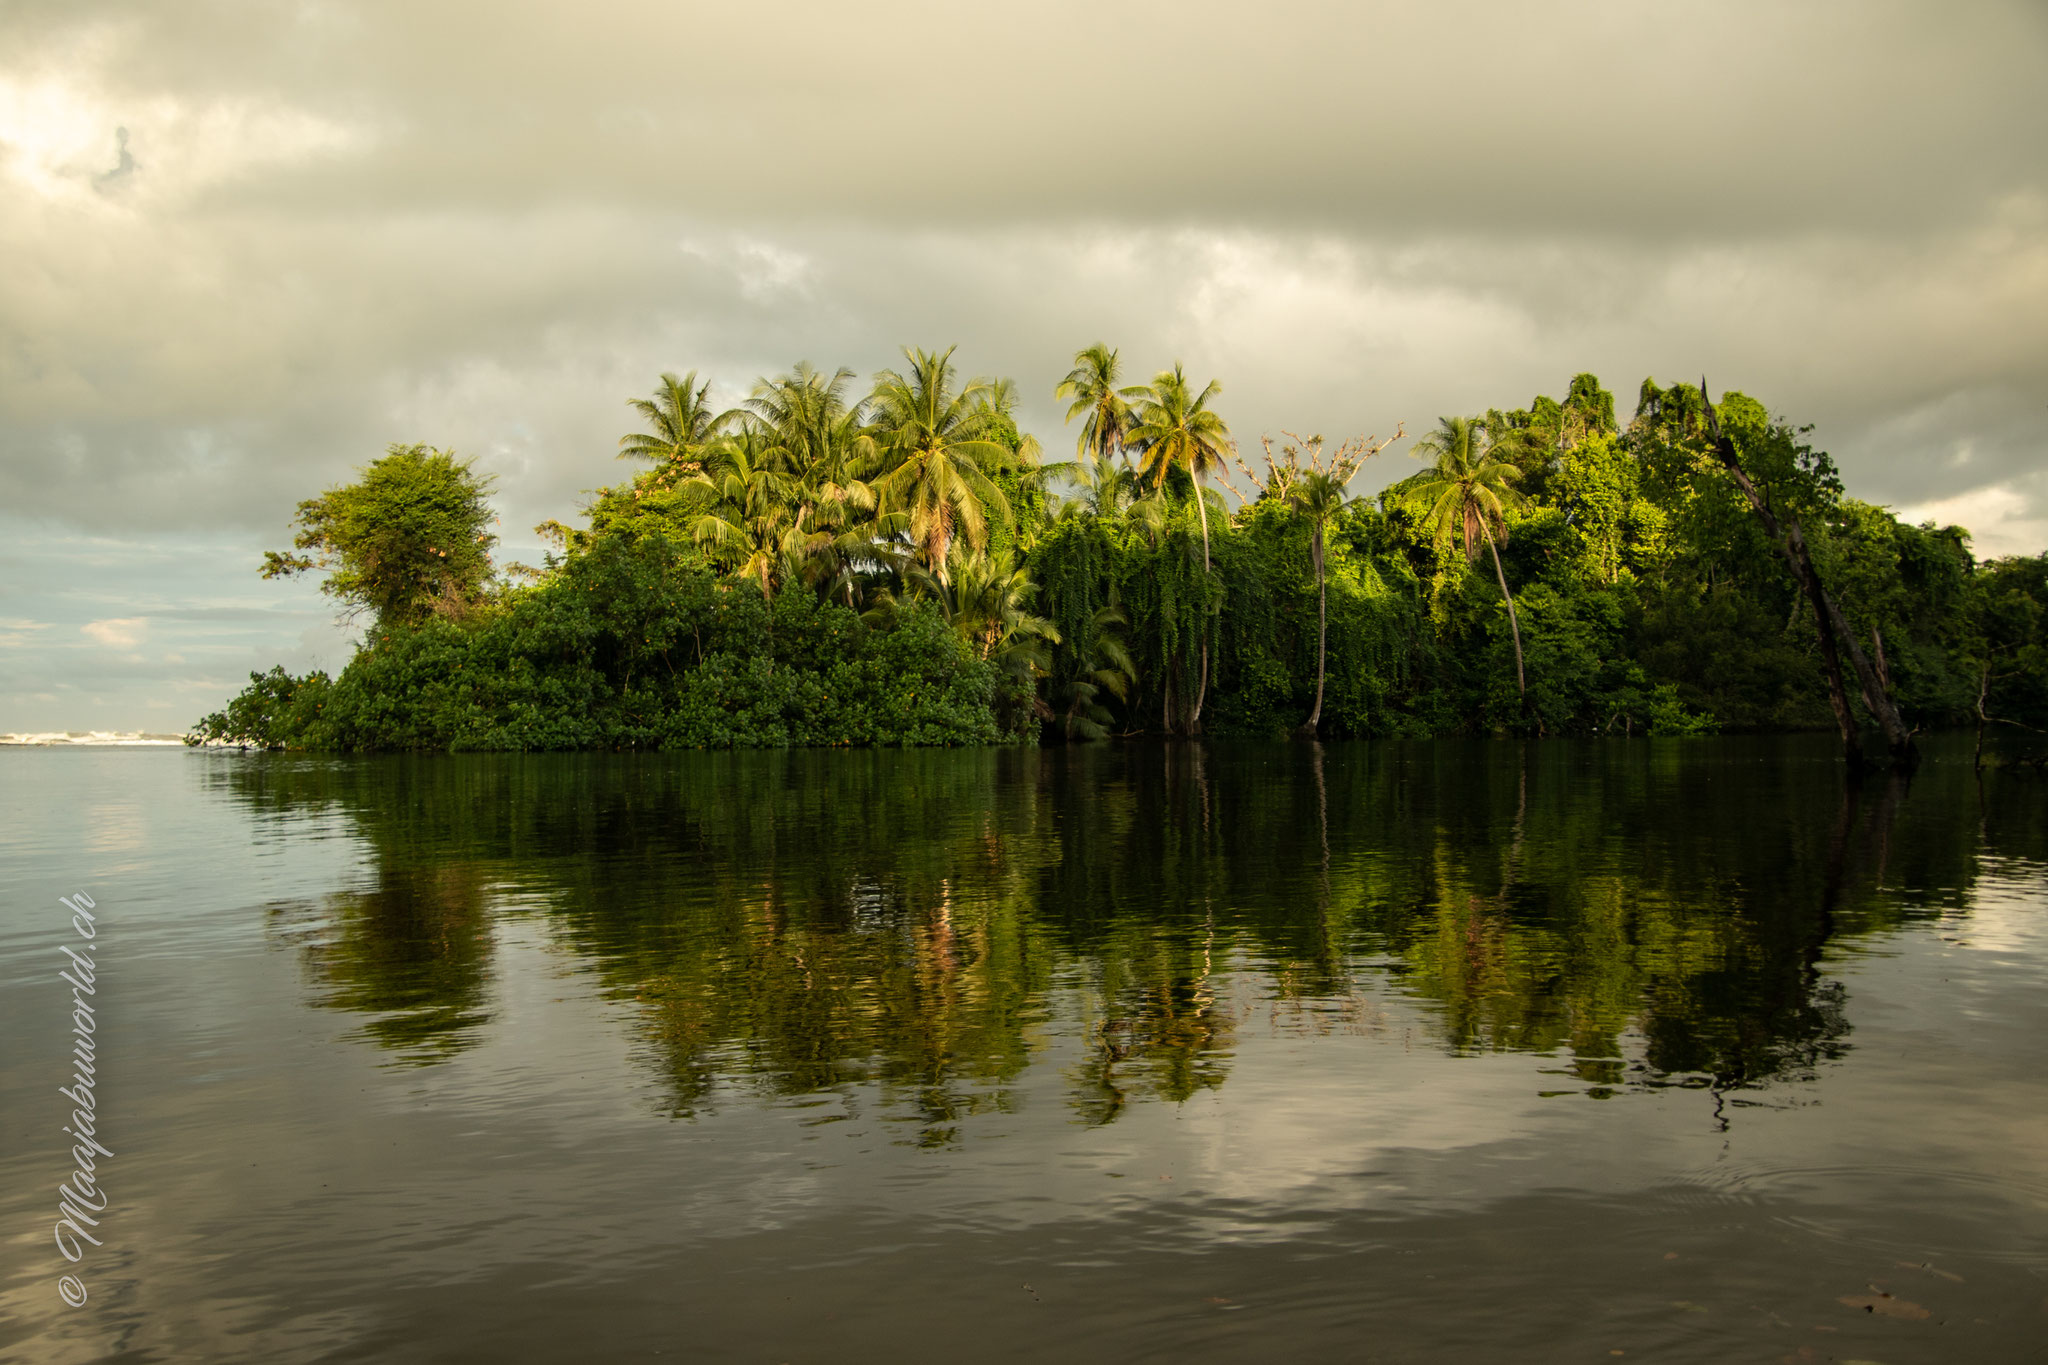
x=251, y=245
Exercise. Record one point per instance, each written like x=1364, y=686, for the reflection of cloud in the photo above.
x=2005, y=909
x=120, y=632
x=115, y=828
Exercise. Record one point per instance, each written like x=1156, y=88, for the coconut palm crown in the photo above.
x=1468, y=495
x=1093, y=394
x=939, y=456
x=679, y=419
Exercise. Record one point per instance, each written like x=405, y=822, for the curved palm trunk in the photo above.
x=940, y=540
x=1202, y=687
x=1521, y=688
x=1315, y=717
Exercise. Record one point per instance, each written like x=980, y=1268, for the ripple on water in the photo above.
x=1901, y=1211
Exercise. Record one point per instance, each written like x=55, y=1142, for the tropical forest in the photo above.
x=901, y=565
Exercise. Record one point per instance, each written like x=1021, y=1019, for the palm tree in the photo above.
x=939, y=455
x=818, y=439
x=1106, y=488
x=1174, y=427
x=807, y=432
x=988, y=600
x=680, y=419
x=1023, y=476
x=1105, y=667
x=1319, y=497
x=1468, y=496
x=746, y=513
x=1092, y=390
x=998, y=408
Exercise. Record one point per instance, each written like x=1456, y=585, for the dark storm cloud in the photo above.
x=333, y=226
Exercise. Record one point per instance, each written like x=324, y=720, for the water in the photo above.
x=1426, y=1052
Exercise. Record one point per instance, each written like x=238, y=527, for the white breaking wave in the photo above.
x=99, y=738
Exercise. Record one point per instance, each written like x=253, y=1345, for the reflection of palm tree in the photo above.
x=1469, y=495
x=412, y=952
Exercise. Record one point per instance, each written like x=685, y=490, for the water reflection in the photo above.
x=412, y=950
x=1651, y=913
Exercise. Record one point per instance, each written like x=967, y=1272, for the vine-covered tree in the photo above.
x=1175, y=428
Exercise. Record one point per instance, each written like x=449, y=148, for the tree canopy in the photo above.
x=411, y=539
x=822, y=564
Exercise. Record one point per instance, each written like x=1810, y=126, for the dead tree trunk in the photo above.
x=1830, y=626
x=1983, y=688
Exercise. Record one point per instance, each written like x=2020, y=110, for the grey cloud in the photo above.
x=353, y=224
x=123, y=168
x=1588, y=116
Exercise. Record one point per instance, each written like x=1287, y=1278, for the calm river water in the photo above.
x=1661, y=1050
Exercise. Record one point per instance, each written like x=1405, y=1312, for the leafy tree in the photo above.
x=1468, y=495
x=1587, y=411
x=409, y=540
x=273, y=712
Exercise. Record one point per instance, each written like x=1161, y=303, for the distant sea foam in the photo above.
x=98, y=738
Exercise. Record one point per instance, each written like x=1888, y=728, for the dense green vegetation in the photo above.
x=815, y=568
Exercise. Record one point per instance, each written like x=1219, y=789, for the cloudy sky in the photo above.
x=249, y=245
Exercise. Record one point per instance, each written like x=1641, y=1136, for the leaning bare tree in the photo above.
x=1831, y=628
x=1315, y=487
